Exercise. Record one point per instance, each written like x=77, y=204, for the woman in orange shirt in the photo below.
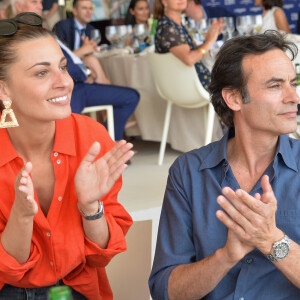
x=60, y=222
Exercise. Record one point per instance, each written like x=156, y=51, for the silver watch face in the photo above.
x=281, y=250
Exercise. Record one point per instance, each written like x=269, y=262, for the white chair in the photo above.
x=109, y=113
x=179, y=84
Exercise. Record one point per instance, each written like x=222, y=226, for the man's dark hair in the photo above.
x=228, y=73
x=75, y=2
x=268, y=4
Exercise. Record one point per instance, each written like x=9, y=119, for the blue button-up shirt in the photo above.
x=190, y=231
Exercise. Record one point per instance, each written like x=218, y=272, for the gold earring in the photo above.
x=7, y=111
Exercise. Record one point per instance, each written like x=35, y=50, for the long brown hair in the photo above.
x=268, y=4
x=158, y=10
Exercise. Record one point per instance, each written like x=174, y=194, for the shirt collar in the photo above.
x=78, y=25
x=64, y=141
x=285, y=150
x=64, y=137
x=219, y=153
x=7, y=150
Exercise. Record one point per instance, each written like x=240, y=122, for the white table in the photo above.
x=187, y=127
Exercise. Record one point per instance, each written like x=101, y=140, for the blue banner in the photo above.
x=246, y=7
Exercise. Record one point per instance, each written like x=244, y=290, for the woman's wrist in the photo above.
x=202, y=50
x=88, y=209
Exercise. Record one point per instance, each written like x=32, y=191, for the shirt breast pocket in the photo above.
x=288, y=221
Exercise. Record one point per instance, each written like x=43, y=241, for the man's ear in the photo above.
x=233, y=98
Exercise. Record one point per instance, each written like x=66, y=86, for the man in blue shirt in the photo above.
x=230, y=226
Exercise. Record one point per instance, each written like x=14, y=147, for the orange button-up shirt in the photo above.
x=59, y=248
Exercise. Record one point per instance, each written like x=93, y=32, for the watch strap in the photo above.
x=96, y=216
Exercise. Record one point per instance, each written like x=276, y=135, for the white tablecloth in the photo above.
x=187, y=127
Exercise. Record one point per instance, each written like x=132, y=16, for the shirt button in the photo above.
x=48, y=234
x=55, y=154
x=241, y=298
x=249, y=260
x=51, y=264
x=59, y=198
x=58, y=161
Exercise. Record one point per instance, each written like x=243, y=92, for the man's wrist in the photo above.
x=224, y=257
x=267, y=247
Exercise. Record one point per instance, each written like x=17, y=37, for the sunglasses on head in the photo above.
x=9, y=26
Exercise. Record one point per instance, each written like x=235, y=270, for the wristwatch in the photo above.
x=280, y=249
x=96, y=216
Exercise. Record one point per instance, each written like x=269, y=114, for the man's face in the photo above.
x=83, y=11
x=271, y=89
x=35, y=6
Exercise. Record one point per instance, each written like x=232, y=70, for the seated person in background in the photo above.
x=172, y=36
x=19, y=6
x=138, y=12
x=76, y=33
x=228, y=227
x=123, y=99
x=50, y=12
x=60, y=221
x=274, y=17
x=86, y=91
x=197, y=12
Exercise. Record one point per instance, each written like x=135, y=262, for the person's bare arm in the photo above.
x=190, y=57
x=93, y=63
x=93, y=180
x=52, y=11
x=195, y=280
x=17, y=235
x=281, y=20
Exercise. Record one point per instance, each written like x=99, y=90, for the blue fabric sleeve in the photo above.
x=175, y=236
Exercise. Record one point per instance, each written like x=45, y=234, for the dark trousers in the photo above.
x=124, y=101
x=10, y=292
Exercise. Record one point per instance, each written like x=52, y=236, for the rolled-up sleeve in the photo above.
x=175, y=235
x=10, y=270
x=118, y=221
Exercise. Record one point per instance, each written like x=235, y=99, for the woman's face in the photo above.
x=39, y=84
x=175, y=5
x=141, y=12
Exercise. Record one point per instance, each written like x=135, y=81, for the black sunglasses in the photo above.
x=9, y=26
